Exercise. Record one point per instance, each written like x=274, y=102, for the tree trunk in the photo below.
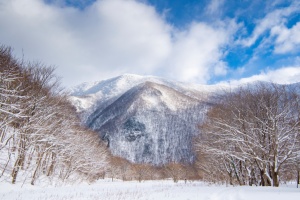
x=262, y=180
x=236, y=173
x=16, y=168
x=20, y=160
x=4, y=169
x=51, y=168
x=298, y=178
x=275, y=179
x=36, y=169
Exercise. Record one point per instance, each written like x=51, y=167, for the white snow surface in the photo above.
x=147, y=190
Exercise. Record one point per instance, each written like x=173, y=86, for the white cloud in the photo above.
x=274, y=18
x=215, y=7
x=287, y=40
x=112, y=37
x=196, y=54
x=284, y=75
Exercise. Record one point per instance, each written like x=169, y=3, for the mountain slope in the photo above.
x=144, y=119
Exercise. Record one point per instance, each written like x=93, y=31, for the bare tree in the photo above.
x=40, y=133
x=141, y=171
x=175, y=171
x=255, y=130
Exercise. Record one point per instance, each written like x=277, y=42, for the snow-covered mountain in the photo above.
x=144, y=119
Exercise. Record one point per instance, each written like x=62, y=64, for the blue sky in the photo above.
x=199, y=41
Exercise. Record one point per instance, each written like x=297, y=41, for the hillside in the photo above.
x=144, y=119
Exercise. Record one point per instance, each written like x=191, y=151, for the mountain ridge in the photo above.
x=113, y=87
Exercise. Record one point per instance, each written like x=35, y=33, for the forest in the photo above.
x=250, y=135
x=40, y=135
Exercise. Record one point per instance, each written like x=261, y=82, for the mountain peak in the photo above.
x=128, y=75
x=117, y=108
x=87, y=95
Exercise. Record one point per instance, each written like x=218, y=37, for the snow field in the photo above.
x=148, y=190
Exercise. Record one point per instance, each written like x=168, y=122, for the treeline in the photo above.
x=40, y=134
x=122, y=169
x=251, y=136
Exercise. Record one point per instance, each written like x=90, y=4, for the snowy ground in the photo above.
x=157, y=190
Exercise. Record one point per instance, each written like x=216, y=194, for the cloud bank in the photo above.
x=107, y=38
x=111, y=37
x=284, y=75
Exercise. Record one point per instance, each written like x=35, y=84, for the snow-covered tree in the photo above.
x=40, y=133
x=254, y=132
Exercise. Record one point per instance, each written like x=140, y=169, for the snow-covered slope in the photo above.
x=86, y=95
x=144, y=119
